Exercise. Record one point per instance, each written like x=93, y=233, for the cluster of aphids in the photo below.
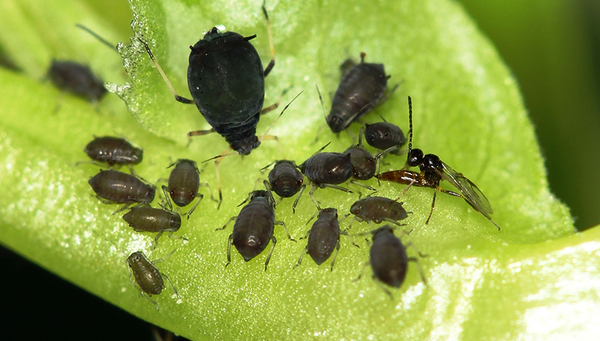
x=115, y=187
x=232, y=101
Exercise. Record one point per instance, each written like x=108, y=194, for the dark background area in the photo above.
x=551, y=46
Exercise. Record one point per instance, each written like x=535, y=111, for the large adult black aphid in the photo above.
x=226, y=80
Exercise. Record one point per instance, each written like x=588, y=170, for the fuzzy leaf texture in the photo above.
x=535, y=279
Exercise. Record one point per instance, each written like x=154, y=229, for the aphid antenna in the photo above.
x=262, y=170
x=321, y=101
x=97, y=36
x=271, y=46
x=410, y=128
x=270, y=137
x=164, y=76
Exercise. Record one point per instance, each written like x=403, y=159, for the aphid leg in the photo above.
x=164, y=76
x=273, y=137
x=274, y=240
x=392, y=221
x=337, y=249
x=160, y=260
x=123, y=208
x=337, y=187
x=275, y=105
x=352, y=222
x=227, y=223
x=200, y=197
x=271, y=47
x=345, y=233
x=172, y=286
x=130, y=271
x=305, y=235
x=414, y=259
x=229, y=240
x=156, y=240
x=270, y=108
x=149, y=299
x=311, y=218
x=382, y=287
x=386, y=151
x=389, y=93
x=312, y=196
x=217, y=161
x=279, y=222
x=432, y=206
x=197, y=133
x=177, y=237
x=165, y=190
x=355, y=182
x=361, y=272
x=298, y=198
x=412, y=246
x=104, y=201
x=207, y=185
x=304, y=252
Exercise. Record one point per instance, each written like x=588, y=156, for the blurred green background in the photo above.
x=552, y=47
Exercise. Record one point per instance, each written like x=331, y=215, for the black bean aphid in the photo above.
x=77, y=79
x=121, y=188
x=327, y=170
x=114, y=151
x=364, y=164
x=433, y=171
x=253, y=228
x=148, y=219
x=147, y=276
x=184, y=182
x=286, y=180
x=226, y=81
x=323, y=238
x=388, y=258
x=384, y=135
x=378, y=209
x=360, y=90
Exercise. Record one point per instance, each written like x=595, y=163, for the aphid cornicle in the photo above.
x=388, y=258
x=254, y=227
x=114, y=151
x=433, y=171
x=147, y=276
x=226, y=80
x=362, y=87
x=149, y=219
x=77, y=79
x=378, y=209
x=121, y=188
x=184, y=182
x=286, y=180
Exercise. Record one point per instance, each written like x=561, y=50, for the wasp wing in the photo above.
x=471, y=193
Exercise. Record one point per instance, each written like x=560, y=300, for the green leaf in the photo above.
x=533, y=279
